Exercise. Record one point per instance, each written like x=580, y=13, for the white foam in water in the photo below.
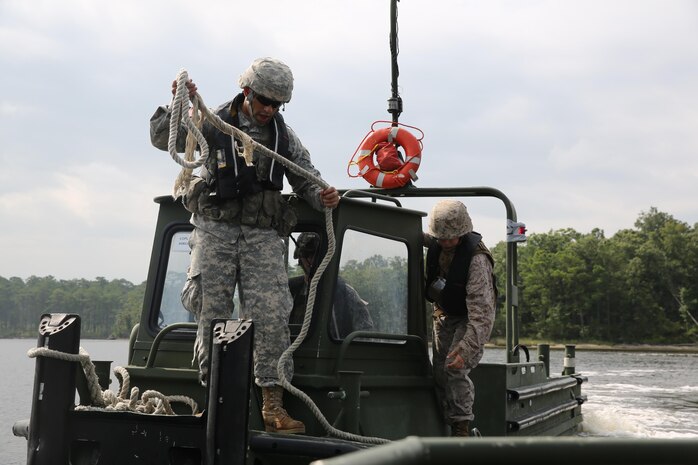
x=640, y=395
x=609, y=421
x=620, y=421
x=636, y=388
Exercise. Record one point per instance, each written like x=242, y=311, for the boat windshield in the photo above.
x=370, y=292
x=171, y=308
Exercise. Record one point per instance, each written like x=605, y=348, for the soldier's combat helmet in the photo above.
x=449, y=219
x=306, y=245
x=270, y=78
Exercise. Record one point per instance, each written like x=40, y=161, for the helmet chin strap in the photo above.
x=249, y=97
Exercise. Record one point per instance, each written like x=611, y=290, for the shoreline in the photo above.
x=533, y=346
x=592, y=347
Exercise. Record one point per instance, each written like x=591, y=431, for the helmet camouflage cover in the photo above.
x=306, y=245
x=270, y=78
x=449, y=219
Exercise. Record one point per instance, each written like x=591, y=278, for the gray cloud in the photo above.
x=582, y=112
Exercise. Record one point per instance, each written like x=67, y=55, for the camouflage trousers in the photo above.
x=454, y=389
x=258, y=268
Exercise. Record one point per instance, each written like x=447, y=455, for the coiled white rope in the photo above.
x=151, y=402
x=180, y=112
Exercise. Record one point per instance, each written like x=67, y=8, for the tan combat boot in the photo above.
x=276, y=419
x=461, y=429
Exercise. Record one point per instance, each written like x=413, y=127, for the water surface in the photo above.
x=630, y=394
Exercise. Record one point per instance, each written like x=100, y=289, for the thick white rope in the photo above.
x=151, y=402
x=180, y=111
x=184, y=178
x=286, y=357
x=87, y=366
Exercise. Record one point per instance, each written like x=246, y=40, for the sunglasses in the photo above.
x=267, y=102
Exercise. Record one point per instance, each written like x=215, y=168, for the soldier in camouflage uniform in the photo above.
x=461, y=285
x=239, y=215
x=349, y=310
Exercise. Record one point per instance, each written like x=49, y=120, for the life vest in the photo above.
x=223, y=168
x=453, y=296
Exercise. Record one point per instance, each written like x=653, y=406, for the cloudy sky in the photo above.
x=585, y=113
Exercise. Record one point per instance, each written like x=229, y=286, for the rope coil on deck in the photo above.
x=151, y=402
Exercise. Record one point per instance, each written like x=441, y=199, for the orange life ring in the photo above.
x=396, y=178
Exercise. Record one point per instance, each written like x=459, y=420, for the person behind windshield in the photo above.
x=349, y=311
x=239, y=217
x=461, y=285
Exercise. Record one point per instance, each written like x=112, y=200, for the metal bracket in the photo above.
x=230, y=330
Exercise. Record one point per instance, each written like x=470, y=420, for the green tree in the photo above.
x=638, y=286
x=130, y=313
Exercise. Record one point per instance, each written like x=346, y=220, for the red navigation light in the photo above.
x=516, y=232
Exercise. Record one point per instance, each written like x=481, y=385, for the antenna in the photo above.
x=395, y=101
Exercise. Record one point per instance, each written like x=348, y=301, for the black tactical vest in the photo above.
x=452, y=298
x=224, y=166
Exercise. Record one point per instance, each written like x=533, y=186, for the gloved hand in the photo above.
x=192, y=196
x=247, y=181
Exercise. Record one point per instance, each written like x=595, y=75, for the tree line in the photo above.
x=106, y=307
x=638, y=286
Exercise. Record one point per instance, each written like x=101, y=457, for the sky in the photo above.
x=584, y=113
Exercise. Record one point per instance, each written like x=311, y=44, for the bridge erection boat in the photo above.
x=364, y=391
x=374, y=382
